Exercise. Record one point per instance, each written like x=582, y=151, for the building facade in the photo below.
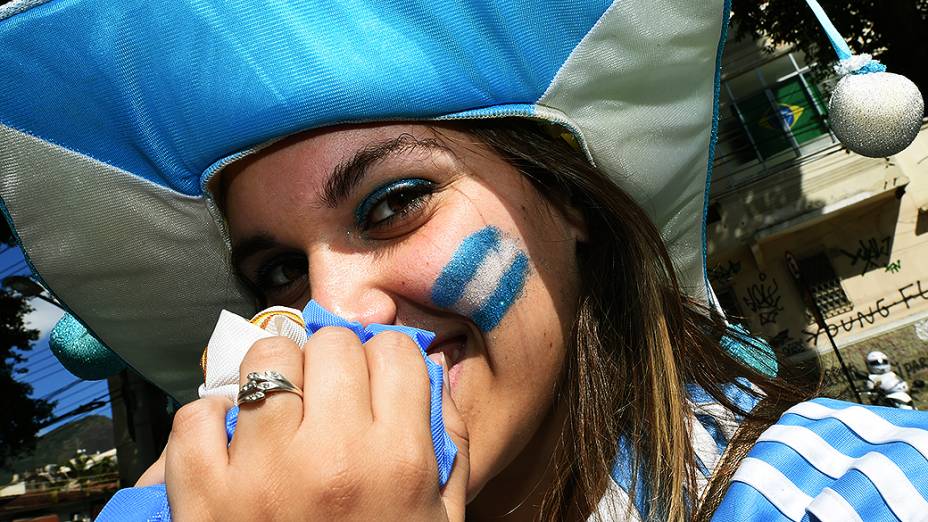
x=857, y=227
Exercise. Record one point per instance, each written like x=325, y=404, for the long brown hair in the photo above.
x=638, y=340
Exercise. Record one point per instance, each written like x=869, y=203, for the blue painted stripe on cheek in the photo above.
x=508, y=290
x=463, y=265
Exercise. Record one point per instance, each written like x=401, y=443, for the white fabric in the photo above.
x=889, y=480
x=652, y=138
x=707, y=451
x=122, y=252
x=900, y=495
x=774, y=486
x=725, y=418
x=813, y=448
x=615, y=506
x=230, y=342
x=829, y=506
x=866, y=424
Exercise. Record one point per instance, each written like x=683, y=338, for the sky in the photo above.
x=46, y=375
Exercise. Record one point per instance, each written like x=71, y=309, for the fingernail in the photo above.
x=445, y=379
x=437, y=358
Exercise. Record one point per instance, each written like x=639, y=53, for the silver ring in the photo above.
x=259, y=385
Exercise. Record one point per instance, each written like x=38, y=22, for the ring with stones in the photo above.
x=259, y=385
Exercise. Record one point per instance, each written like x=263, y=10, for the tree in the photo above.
x=891, y=30
x=22, y=416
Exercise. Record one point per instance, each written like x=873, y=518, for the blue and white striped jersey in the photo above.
x=713, y=427
x=830, y=460
x=824, y=460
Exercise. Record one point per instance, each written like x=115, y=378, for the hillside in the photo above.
x=92, y=433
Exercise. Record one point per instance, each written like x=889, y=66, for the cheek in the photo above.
x=485, y=276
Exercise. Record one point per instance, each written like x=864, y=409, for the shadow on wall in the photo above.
x=751, y=230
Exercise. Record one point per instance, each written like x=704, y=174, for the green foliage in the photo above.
x=22, y=415
x=6, y=234
x=891, y=30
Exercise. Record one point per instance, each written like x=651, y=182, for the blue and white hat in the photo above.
x=114, y=116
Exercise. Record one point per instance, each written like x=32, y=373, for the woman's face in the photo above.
x=421, y=226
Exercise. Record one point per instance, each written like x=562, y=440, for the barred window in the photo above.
x=821, y=279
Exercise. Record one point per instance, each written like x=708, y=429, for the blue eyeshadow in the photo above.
x=383, y=191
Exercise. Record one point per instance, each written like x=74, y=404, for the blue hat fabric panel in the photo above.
x=116, y=114
x=164, y=89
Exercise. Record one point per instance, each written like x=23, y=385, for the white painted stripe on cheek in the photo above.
x=487, y=277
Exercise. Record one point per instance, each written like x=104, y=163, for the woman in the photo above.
x=591, y=379
x=365, y=220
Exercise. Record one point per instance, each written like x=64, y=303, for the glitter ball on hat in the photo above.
x=873, y=112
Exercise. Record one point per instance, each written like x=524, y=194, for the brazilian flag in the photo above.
x=773, y=115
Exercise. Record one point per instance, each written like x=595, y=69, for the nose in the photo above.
x=350, y=286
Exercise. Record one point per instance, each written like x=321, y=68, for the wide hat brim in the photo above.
x=114, y=116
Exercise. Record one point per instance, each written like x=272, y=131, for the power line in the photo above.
x=14, y=267
x=67, y=387
x=84, y=396
x=34, y=370
x=88, y=407
x=55, y=373
x=37, y=357
x=88, y=398
x=63, y=389
x=37, y=375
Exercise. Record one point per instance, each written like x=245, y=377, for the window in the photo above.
x=820, y=278
x=770, y=110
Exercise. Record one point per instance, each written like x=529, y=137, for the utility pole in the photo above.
x=141, y=423
x=793, y=266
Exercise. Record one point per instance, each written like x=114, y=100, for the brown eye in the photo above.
x=392, y=201
x=280, y=272
x=390, y=206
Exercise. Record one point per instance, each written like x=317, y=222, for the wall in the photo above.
x=869, y=217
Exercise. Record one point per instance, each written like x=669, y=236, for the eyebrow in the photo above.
x=336, y=189
x=348, y=174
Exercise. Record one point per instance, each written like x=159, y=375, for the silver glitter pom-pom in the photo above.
x=876, y=114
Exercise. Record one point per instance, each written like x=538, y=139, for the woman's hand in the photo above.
x=357, y=446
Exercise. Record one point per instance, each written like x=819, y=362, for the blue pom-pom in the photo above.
x=753, y=351
x=81, y=353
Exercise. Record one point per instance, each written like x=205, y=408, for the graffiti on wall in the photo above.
x=909, y=368
x=724, y=272
x=883, y=308
x=763, y=298
x=785, y=344
x=872, y=253
x=894, y=267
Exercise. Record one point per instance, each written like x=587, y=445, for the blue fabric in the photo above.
x=745, y=503
x=80, y=352
x=837, y=41
x=621, y=468
x=151, y=503
x=753, y=351
x=215, y=82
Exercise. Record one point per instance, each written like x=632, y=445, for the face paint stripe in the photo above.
x=509, y=288
x=487, y=277
x=463, y=265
